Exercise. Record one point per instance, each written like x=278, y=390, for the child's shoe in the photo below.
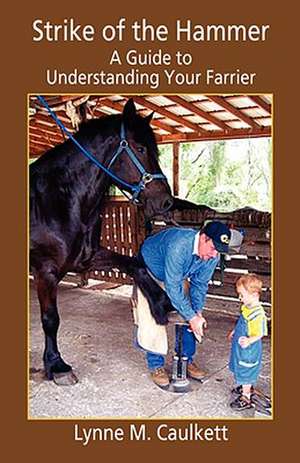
x=241, y=403
x=239, y=390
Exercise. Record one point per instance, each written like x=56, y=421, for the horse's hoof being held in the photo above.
x=60, y=372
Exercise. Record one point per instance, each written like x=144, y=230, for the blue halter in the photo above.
x=146, y=177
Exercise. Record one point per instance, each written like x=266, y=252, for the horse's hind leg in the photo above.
x=158, y=300
x=55, y=367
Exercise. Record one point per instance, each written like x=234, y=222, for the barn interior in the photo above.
x=96, y=332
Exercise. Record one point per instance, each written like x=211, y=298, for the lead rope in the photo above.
x=133, y=188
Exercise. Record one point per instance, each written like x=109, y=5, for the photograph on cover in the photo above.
x=150, y=257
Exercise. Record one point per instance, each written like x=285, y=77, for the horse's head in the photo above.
x=137, y=163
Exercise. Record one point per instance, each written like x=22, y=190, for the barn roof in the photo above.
x=177, y=118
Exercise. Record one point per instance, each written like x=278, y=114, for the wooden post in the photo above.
x=176, y=168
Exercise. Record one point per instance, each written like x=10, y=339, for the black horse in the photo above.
x=66, y=193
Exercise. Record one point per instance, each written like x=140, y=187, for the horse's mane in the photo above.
x=86, y=132
x=107, y=124
x=104, y=125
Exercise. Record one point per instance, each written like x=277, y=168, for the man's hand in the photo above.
x=244, y=342
x=197, y=323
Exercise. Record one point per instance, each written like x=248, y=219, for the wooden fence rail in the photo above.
x=123, y=231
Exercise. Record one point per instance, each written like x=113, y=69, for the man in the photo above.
x=173, y=256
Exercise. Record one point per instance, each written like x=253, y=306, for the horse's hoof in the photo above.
x=65, y=379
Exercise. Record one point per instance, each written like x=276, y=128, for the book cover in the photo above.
x=213, y=89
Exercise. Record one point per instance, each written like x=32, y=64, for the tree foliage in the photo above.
x=225, y=175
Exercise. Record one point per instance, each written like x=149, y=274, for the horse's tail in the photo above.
x=157, y=298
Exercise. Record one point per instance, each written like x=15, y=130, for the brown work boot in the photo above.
x=195, y=372
x=160, y=377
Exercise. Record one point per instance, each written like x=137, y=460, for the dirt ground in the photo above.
x=96, y=338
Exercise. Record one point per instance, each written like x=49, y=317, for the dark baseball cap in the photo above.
x=219, y=233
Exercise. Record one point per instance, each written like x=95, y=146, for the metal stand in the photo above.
x=179, y=382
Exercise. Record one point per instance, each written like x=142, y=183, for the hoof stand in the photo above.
x=180, y=382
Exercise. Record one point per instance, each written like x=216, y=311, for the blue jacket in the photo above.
x=169, y=257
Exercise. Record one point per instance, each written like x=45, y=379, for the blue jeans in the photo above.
x=188, y=346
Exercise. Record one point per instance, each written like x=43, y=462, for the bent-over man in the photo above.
x=173, y=256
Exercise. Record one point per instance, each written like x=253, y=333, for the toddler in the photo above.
x=246, y=348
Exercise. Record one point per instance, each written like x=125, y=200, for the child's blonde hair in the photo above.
x=250, y=282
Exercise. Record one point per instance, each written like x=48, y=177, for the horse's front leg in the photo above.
x=158, y=300
x=55, y=367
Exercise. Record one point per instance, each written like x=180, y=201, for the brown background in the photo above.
x=23, y=68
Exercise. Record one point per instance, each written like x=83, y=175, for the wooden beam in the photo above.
x=62, y=115
x=176, y=147
x=261, y=103
x=224, y=104
x=99, y=97
x=57, y=99
x=214, y=135
x=44, y=134
x=47, y=118
x=200, y=112
x=161, y=125
x=235, y=119
x=46, y=128
x=119, y=107
x=179, y=119
x=43, y=141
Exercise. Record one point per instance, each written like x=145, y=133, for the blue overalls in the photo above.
x=245, y=363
